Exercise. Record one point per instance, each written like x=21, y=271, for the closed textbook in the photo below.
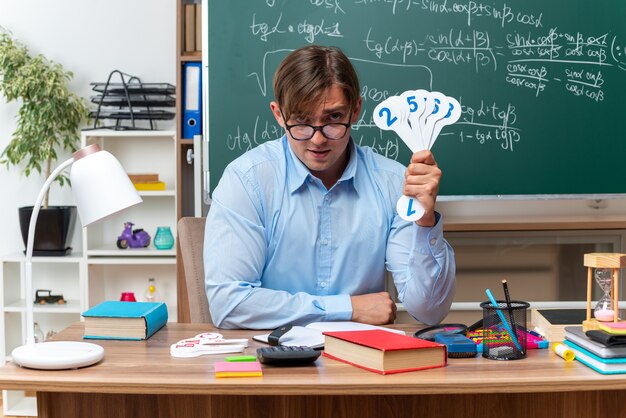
x=384, y=352
x=116, y=320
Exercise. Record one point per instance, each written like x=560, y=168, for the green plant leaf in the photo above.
x=49, y=116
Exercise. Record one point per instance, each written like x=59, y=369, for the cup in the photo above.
x=504, y=330
x=128, y=297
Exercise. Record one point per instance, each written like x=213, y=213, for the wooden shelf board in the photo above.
x=191, y=57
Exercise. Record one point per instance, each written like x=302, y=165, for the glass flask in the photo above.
x=152, y=293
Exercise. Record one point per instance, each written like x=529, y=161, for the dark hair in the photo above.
x=307, y=73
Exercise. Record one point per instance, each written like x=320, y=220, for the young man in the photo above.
x=301, y=228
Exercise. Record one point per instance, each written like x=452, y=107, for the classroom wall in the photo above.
x=90, y=38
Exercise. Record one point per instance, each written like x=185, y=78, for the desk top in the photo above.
x=146, y=367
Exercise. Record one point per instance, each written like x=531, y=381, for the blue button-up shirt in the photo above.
x=280, y=248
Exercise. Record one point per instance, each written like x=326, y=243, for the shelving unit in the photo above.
x=97, y=270
x=184, y=147
x=63, y=275
x=111, y=270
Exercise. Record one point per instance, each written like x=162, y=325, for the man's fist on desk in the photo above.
x=373, y=308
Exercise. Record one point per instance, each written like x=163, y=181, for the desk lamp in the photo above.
x=101, y=188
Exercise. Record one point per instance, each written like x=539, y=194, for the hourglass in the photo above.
x=603, y=268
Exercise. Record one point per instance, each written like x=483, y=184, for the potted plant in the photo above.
x=48, y=121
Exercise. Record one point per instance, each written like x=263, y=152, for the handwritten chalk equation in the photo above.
x=490, y=124
x=242, y=140
x=311, y=32
x=471, y=11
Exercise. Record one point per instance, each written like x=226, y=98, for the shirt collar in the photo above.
x=298, y=173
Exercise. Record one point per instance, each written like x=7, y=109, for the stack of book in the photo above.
x=551, y=323
x=606, y=357
x=147, y=181
x=193, y=27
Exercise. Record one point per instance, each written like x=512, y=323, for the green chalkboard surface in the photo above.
x=542, y=83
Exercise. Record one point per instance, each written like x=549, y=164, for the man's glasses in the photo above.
x=304, y=131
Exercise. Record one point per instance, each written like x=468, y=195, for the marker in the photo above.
x=241, y=358
x=536, y=334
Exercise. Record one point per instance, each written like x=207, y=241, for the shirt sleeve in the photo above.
x=423, y=268
x=235, y=250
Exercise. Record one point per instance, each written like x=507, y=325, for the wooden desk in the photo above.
x=140, y=379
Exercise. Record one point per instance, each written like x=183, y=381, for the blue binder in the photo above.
x=192, y=99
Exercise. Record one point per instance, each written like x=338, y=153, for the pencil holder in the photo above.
x=504, y=326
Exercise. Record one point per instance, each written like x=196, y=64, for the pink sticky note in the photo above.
x=237, y=366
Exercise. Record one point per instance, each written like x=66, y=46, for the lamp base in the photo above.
x=57, y=355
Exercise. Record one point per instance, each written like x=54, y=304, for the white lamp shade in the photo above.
x=101, y=187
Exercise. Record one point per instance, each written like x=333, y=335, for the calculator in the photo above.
x=287, y=355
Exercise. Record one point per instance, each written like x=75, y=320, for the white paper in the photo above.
x=311, y=335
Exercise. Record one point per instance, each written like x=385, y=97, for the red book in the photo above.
x=384, y=352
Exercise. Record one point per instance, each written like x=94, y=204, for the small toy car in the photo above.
x=43, y=297
x=133, y=238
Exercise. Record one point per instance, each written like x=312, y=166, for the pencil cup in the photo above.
x=504, y=326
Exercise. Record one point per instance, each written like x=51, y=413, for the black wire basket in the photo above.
x=504, y=330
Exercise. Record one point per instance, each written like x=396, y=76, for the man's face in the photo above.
x=325, y=158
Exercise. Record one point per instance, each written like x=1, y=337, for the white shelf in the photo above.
x=110, y=133
x=157, y=193
x=72, y=306
x=22, y=406
x=74, y=257
x=113, y=251
x=169, y=260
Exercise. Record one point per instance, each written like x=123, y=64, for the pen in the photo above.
x=503, y=319
x=536, y=334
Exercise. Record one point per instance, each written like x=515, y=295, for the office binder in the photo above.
x=192, y=100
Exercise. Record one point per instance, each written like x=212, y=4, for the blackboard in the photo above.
x=541, y=83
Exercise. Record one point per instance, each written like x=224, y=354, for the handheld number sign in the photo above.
x=417, y=117
x=392, y=115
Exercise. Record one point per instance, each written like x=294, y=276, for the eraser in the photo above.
x=500, y=351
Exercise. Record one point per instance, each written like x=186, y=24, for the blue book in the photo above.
x=116, y=320
x=599, y=364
